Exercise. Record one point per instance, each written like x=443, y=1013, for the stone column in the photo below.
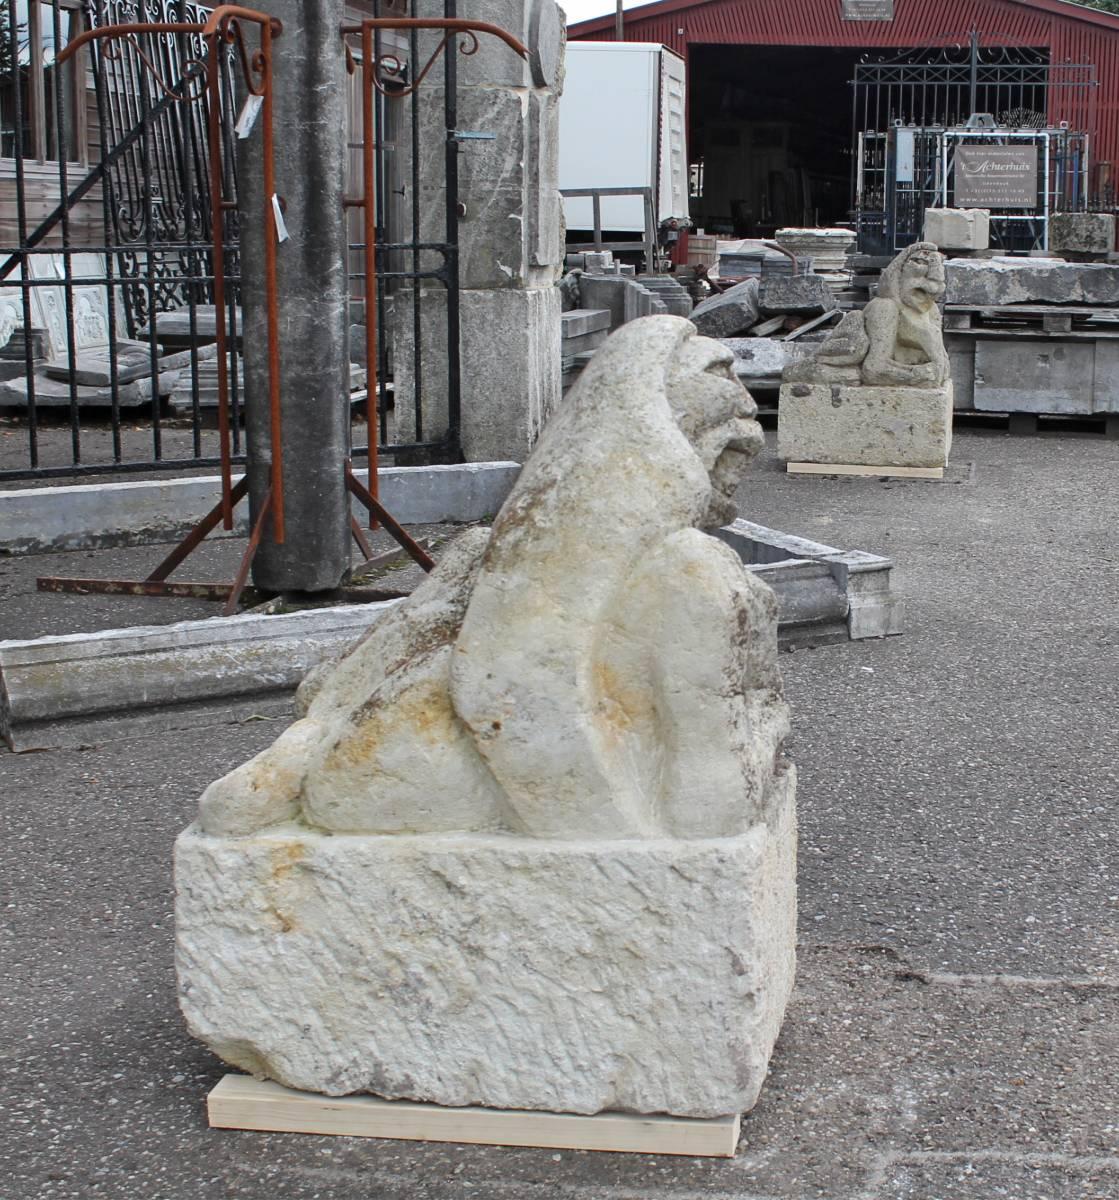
x=310, y=90
x=509, y=231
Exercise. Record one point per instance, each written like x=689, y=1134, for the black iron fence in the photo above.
x=912, y=113
x=108, y=327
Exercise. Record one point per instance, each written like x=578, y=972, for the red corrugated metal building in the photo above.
x=769, y=82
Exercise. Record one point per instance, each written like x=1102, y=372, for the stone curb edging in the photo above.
x=139, y=512
x=57, y=691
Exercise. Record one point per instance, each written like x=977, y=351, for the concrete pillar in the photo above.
x=510, y=236
x=310, y=89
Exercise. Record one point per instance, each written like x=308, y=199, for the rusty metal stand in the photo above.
x=223, y=30
x=378, y=511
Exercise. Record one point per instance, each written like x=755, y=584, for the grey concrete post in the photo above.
x=510, y=236
x=310, y=90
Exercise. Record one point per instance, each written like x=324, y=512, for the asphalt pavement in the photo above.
x=954, y=1032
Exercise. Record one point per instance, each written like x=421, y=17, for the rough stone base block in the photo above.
x=640, y=976
x=865, y=426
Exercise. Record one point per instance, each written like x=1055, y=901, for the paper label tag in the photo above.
x=249, y=113
x=282, y=234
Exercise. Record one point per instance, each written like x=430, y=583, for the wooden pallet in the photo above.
x=240, y=1102
x=1025, y=423
x=1048, y=318
x=807, y=468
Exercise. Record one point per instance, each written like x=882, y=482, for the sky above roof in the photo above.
x=581, y=10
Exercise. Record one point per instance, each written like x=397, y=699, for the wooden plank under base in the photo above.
x=806, y=468
x=240, y=1102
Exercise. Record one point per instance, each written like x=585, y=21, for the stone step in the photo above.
x=578, y=321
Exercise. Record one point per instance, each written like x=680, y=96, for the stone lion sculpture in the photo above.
x=896, y=341
x=595, y=666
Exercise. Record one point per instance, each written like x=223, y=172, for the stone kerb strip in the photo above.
x=58, y=691
x=66, y=690
x=36, y=520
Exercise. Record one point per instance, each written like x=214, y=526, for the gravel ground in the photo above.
x=955, y=1029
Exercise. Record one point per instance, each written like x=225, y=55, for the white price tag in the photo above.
x=250, y=110
x=282, y=234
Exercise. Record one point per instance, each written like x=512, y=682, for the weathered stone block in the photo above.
x=523, y=324
x=1082, y=233
x=865, y=426
x=764, y=358
x=998, y=281
x=728, y=314
x=512, y=972
x=958, y=228
x=605, y=292
x=806, y=295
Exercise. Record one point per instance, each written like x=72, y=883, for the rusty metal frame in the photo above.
x=223, y=28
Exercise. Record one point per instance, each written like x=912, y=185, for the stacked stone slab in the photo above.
x=748, y=264
x=674, y=297
x=827, y=248
x=640, y=301
x=797, y=295
x=582, y=331
x=760, y=361
x=998, y=282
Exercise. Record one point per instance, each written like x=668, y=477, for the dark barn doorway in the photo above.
x=772, y=128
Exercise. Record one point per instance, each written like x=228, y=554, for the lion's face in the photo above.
x=922, y=278
x=715, y=413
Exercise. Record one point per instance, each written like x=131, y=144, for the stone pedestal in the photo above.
x=645, y=976
x=865, y=426
x=958, y=228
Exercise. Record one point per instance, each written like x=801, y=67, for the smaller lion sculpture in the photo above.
x=897, y=340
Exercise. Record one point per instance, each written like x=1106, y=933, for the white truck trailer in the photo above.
x=621, y=121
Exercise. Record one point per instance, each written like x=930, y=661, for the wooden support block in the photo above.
x=765, y=328
x=1020, y=423
x=957, y=320
x=806, y=468
x=815, y=323
x=1056, y=323
x=241, y=1102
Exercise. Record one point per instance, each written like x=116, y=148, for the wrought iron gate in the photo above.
x=911, y=113
x=108, y=330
